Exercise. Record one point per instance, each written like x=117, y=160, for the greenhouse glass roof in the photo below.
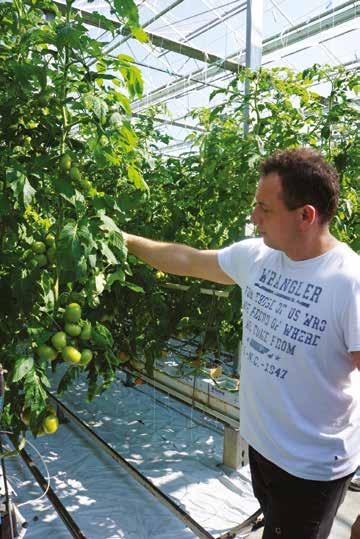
x=196, y=46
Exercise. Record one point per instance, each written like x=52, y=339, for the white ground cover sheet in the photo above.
x=177, y=448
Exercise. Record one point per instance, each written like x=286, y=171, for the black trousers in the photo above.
x=295, y=508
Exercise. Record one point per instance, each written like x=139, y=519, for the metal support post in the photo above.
x=254, y=35
x=235, y=454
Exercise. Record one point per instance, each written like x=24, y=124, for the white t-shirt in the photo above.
x=299, y=391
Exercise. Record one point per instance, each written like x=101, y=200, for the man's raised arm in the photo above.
x=177, y=259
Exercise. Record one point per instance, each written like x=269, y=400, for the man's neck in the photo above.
x=309, y=247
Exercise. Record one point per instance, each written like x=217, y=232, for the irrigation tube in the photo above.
x=163, y=498
x=60, y=508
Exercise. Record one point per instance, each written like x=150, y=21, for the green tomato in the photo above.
x=86, y=357
x=41, y=260
x=75, y=174
x=71, y=354
x=59, y=340
x=85, y=184
x=44, y=98
x=103, y=140
x=85, y=334
x=50, y=424
x=38, y=247
x=65, y=163
x=50, y=240
x=72, y=329
x=33, y=263
x=72, y=313
x=47, y=353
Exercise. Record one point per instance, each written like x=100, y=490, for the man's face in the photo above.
x=275, y=223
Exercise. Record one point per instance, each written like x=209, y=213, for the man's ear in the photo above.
x=308, y=214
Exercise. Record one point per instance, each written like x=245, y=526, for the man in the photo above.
x=300, y=391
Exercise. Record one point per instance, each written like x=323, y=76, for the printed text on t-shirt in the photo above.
x=277, y=316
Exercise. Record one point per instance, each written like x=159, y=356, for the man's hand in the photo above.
x=177, y=259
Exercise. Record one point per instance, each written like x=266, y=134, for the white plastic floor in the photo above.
x=178, y=449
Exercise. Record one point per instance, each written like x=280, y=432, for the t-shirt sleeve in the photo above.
x=352, y=320
x=238, y=259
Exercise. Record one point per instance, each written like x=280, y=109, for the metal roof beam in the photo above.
x=175, y=123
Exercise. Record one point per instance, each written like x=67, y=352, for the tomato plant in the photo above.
x=67, y=143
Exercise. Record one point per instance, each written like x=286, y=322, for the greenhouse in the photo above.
x=180, y=271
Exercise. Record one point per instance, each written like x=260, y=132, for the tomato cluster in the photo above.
x=79, y=332
x=49, y=424
x=44, y=251
x=71, y=172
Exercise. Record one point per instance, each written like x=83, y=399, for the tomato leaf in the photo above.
x=135, y=287
x=65, y=189
x=140, y=34
x=100, y=283
x=109, y=255
x=118, y=275
x=137, y=179
x=127, y=9
x=96, y=105
x=20, y=185
x=23, y=365
x=47, y=284
x=107, y=223
x=28, y=192
x=66, y=380
x=102, y=336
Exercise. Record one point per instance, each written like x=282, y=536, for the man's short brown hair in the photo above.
x=306, y=178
